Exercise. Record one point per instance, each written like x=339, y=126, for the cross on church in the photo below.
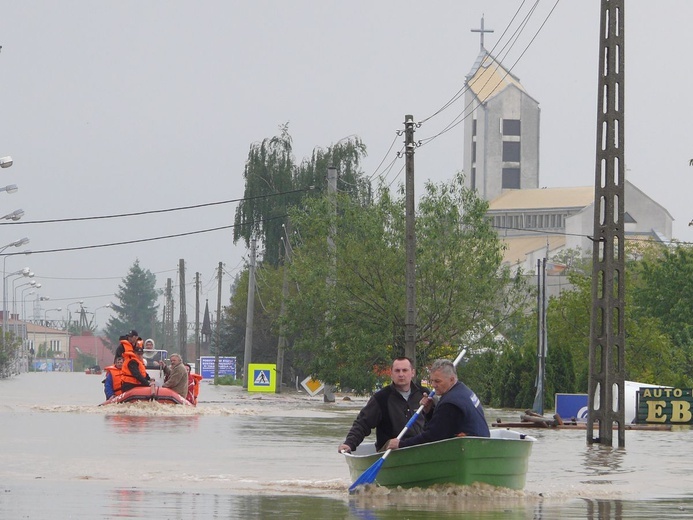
x=482, y=31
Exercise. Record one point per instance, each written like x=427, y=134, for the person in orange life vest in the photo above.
x=193, y=384
x=112, y=382
x=134, y=370
x=127, y=342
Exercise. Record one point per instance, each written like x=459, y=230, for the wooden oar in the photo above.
x=368, y=476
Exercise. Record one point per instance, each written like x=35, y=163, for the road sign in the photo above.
x=312, y=386
x=227, y=366
x=263, y=378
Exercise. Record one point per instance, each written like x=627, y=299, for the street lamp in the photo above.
x=45, y=330
x=6, y=162
x=37, y=286
x=15, y=215
x=108, y=306
x=16, y=243
x=33, y=283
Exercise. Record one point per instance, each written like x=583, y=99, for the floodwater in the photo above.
x=240, y=455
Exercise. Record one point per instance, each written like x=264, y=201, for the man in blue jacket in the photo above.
x=458, y=412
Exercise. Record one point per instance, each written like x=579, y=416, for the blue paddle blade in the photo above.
x=368, y=476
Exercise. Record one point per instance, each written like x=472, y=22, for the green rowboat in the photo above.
x=500, y=460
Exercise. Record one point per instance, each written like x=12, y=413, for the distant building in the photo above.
x=501, y=162
x=540, y=223
x=501, y=130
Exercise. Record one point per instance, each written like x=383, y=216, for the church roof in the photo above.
x=543, y=199
x=488, y=77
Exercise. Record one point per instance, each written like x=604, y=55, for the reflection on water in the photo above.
x=243, y=456
x=603, y=460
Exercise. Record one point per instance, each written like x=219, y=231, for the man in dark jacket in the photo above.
x=389, y=410
x=458, y=412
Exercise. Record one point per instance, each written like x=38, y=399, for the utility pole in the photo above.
x=182, y=316
x=410, y=317
x=281, y=342
x=168, y=315
x=606, y=382
x=541, y=336
x=328, y=391
x=197, y=322
x=217, y=343
x=250, y=311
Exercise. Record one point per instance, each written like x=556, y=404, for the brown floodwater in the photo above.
x=240, y=455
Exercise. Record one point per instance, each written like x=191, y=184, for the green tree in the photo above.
x=137, y=308
x=664, y=293
x=274, y=183
x=8, y=351
x=357, y=320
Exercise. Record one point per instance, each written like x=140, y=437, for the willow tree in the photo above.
x=349, y=329
x=274, y=183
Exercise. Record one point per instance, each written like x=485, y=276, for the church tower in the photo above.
x=501, y=129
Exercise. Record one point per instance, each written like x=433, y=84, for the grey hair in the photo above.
x=174, y=354
x=445, y=366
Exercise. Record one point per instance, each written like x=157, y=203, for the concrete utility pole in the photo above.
x=250, y=311
x=410, y=317
x=168, y=315
x=328, y=391
x=607, y=324
x=217, y=343
x=197, y=322
x=281, y=342
x=183, y=315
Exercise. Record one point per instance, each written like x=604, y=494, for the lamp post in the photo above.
x=32, y=283
x=22, y=272
x=37, y=286
x=16, y=243
x=95, y=328
x=32, y=290
x=10, y=188
x=45, y=330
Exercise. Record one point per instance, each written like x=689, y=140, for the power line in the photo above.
x=155, y=211
x=141, y=240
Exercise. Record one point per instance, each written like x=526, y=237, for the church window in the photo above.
x=511, y=151
x=511, y=178
x=511, y=127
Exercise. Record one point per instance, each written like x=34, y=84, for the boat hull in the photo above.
x=500, y=460
x=144, y=393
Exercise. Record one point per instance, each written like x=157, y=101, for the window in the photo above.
x=473, y=126
x=511, y=151
x=511, y=127
x=511, y=178
x=473, y=152
x=473, y=178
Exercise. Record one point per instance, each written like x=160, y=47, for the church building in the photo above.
x=501, y=162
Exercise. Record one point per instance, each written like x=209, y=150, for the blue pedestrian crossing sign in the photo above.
x=262, y=378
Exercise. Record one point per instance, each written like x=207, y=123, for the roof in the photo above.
x=517, y=248
x=488, y=77
x=543, y=199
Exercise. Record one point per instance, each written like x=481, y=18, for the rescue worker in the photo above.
x=127, y=342
x=112, y=381
x=134, y=370
x=193, y=385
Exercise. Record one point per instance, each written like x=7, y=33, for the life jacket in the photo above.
x=126, y=375
x=193, y=387
x=116, y=375
x=125, y=346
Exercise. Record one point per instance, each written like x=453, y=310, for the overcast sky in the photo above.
x=122, y=106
